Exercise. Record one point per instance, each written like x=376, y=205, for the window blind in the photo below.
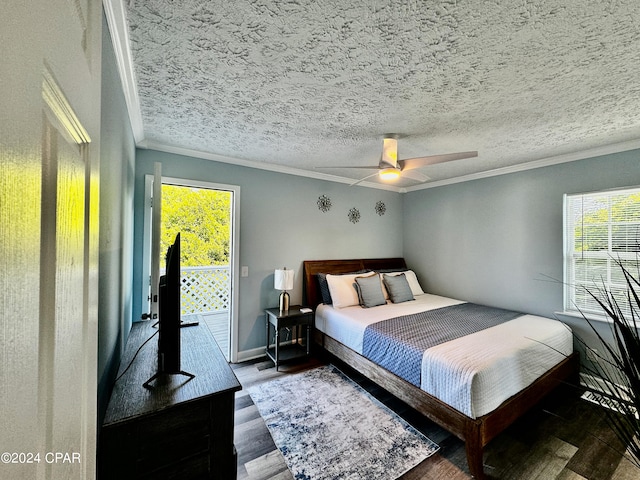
x=602, y=232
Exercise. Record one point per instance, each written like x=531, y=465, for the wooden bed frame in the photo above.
x=476, y=433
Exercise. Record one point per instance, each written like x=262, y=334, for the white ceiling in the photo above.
x=291, y=85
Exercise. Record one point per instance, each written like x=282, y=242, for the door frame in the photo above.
x=234, y=255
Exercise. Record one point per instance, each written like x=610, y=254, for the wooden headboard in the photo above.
x=313, y=267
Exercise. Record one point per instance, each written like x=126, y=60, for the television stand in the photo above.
x=177, y=429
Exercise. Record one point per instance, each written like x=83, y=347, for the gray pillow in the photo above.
x=370, y=291
x=398, y=288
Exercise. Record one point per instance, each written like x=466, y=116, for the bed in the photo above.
x=471, y=411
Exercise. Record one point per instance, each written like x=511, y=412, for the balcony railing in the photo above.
x=205, y=289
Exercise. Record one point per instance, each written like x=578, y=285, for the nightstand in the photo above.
x=292, y=319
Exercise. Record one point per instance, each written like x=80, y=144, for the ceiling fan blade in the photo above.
x=415, y=175
x=363, y=179
x=389, y=156
x=411, y=163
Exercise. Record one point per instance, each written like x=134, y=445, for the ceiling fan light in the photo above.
x=389, y=174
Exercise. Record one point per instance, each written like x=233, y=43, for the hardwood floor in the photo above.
x=218, y=324
x=564, y=438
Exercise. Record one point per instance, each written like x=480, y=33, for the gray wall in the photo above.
x=280, y=225
x=498, y=241
x=116, y=224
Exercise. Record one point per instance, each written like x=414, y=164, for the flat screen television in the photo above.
x=169, y=311
x=169, y=316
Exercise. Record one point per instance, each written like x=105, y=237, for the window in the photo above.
x=602, y=232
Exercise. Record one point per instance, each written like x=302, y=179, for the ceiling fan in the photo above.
x=390, y=168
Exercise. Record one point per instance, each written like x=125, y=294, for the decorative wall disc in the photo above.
x=354, y=215
x=324, y=203
x=380, y=208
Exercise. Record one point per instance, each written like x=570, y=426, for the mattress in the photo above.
x=473, y=374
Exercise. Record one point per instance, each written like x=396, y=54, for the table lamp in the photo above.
x=283, y=281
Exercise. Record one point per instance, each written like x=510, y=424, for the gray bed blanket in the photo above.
x=398, y=344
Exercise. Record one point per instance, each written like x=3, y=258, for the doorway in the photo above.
x=205, y=216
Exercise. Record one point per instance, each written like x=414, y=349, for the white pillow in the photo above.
x=343, y=293
x=416, y=289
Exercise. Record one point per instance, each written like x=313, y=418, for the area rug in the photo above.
x=328, y=427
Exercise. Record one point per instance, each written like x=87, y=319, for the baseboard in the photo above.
x=252, y=354
x=598, y=392
x=598, y=384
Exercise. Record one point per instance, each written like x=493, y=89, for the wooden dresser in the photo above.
x=179, y=429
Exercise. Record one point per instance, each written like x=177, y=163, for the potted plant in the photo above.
x=618, y=365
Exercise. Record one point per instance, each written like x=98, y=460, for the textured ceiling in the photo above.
x=306, y=83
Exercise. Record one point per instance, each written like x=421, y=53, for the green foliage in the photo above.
x=593, y=232
x=201, y=216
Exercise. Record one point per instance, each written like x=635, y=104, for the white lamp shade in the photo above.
x=283, y=279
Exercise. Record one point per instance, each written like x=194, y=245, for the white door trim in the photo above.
x=235, y=246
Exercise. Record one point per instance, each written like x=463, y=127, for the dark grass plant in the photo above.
x=619, y=363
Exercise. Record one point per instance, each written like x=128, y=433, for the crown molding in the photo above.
x=147, y=144
x=544, y=162
x=117, y=23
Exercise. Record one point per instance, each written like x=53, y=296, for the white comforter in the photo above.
x=473, y=374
